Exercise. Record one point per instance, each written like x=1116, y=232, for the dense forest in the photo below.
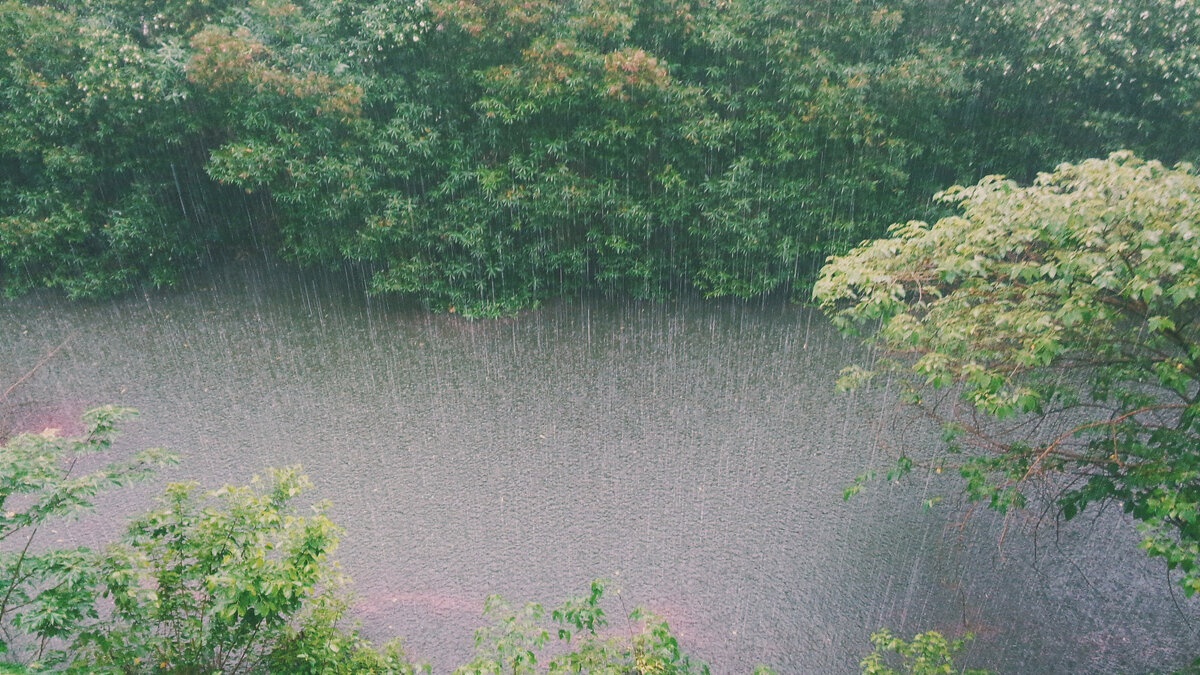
x=482, y=155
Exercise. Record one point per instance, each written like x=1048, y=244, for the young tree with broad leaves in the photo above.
x=46, y=595
x=1054, y=330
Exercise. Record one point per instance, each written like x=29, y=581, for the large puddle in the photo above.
x=694, y=453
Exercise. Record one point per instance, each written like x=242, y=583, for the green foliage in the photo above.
x=483, y=155
x=90, y=132
x=47, y=595
x=928, y=653
x=1064, y=315
x=519, y=641
x=1064, y=80
x=638, y=147
x=318, y=644
x=233, y=580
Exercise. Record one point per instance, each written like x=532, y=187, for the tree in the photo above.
x=1053, y=330
x=1066, y=79
x=91, y=133
x=233, y=580
x=484, y=155
x=928, y=653
x=46, y=595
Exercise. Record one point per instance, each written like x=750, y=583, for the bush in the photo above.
x=46, y=596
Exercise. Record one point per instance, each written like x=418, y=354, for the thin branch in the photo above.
x=17, y=570
x=35, y=367
x=1112, y=423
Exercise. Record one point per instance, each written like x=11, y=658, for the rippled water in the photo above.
x=695, y=453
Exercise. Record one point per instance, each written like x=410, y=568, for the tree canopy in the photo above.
x=1053, y=328
x=488, y=154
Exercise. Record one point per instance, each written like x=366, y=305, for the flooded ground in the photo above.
x=694, y=453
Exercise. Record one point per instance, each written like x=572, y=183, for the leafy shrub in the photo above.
x=233, y=580
x=46, y=596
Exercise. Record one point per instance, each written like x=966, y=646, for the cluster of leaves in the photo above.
x=48, y=594
x=88, y=129
x=928, y=653
x=485, y=154
x=1053, y=329
x=518, y=642
x=220, y=582
x=231, y=581
x=1062, y=80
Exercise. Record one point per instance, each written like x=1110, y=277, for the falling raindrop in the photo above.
x=689, y=445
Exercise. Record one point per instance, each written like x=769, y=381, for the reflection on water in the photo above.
x=693, y=452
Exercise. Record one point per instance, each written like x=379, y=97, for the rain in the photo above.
x=526, y=287
x=692, y=452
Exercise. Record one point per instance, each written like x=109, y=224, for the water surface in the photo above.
x=694, y=453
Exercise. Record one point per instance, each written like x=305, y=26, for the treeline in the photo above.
x=482, y=155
